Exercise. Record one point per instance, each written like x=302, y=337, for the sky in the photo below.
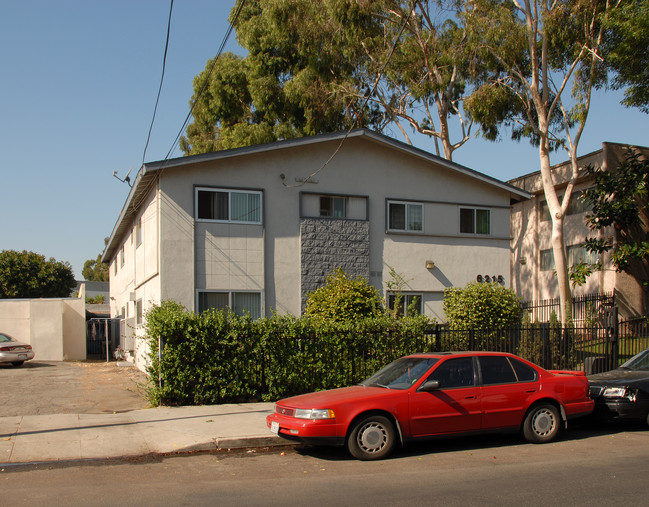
x=77, y=94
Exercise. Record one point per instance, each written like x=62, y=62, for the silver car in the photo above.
x=14, y=352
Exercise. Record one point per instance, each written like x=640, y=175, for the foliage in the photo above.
x=219, y=357
x=546, y=64
x=286, y=87
x=481, y=306
x=531, y=343
x=342, y=299
x=323, y=66
x=625, y=51
x=29, y=275
x=97, y=300
x=620, y=198
x=580, y=272
x=95, y=270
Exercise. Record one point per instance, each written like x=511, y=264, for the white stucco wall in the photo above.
x=208, y=256
x=55, y=328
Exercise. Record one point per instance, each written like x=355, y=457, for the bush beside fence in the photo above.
x=218, y=357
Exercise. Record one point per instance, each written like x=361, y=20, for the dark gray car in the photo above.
x=623, y=393
x=14, y=352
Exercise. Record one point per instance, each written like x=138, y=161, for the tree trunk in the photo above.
x=558, y=249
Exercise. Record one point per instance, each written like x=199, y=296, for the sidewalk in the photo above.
x=38, y=438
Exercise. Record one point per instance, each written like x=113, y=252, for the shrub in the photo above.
x=219, y=357
x=344, y=299
x=481, y=306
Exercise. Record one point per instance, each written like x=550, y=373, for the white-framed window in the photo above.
x=333, y=206
x=222, y=205
x=475, y=221
x=405, y=216
x=411, y=302
x=241, y=303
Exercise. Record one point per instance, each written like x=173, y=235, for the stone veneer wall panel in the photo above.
x=327, y=244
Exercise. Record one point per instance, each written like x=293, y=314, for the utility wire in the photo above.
x=154, y=181
x=206, y=82
x=164, y=64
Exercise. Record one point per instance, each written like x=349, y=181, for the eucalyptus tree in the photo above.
x=415, y=70
x=328, y=65
x=546, y=62
x=288, y=85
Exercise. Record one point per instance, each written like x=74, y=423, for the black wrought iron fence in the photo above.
x=586, y=309
x=591, y=348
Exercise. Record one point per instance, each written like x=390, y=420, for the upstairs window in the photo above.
x=475, y=221
x=228, y=206
x=404, y=216
x=335, y=207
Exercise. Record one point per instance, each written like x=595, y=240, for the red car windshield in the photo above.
x=402, y=373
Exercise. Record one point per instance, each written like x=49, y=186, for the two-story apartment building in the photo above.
x=533, y=274
x=256, y=229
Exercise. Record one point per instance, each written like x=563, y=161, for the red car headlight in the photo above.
x=314, y=413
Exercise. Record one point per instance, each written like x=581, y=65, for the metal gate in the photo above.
x=102, y=338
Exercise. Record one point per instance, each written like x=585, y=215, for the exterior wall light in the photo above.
x=430, y=264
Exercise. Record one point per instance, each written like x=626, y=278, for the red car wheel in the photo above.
x=372, y=437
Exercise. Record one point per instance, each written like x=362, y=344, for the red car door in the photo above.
x=505, y=391
x=454, y=407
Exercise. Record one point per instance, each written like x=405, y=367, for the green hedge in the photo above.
x=219, y=357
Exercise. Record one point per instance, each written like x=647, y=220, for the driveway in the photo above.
x=54, y=387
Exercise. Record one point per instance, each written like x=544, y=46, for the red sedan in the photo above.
x=426, y=395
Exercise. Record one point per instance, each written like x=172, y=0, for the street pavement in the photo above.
x=56, y=437
x=57, y=411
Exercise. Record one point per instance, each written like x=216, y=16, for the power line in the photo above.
x=164, y=65
x=207, y=78
x=153, y=181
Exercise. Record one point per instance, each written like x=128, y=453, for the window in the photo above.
x=241, y=303
x=335, y=207
x=547, y=260
x=405, y=216
x=138, y=312
x=454, y=373
x=411, y=302
x=138, y=233
x=475, y=221
x=228, y=206
x=115, y=267
x=496, y=370
x=575, y=255
x=121, y=257
x=524, y=372
x=575, y=206
x=578, y=254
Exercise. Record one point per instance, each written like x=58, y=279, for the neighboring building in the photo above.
x=532, y=267
x=93, y=289
x=257, y=228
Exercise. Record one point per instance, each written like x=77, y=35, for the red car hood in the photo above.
x=333, y=397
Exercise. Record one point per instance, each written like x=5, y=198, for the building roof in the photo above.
x=147, y=176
